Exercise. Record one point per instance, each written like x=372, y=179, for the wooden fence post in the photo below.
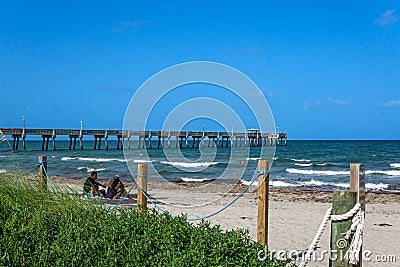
x=142, y=181
x=357, y=184
x=42, y=170
x=342, y=202
x=263, y=190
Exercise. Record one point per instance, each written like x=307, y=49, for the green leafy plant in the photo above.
x=41, y=228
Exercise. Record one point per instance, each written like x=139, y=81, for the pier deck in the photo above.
x=144, y=138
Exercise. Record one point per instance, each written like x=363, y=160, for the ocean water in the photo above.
x=321, y=165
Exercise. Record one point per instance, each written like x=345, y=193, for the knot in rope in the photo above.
x=347, y=215
x=358, y=224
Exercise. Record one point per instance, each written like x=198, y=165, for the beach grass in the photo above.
x=42, y=228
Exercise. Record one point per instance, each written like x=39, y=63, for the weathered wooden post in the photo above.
x=263, y=190
x=357, y=184
x=342, y=202
x=142, y=181
x=42, y=170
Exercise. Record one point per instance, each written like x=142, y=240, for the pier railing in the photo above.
x=144, y=138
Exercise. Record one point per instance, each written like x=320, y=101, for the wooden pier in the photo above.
x=145, y=139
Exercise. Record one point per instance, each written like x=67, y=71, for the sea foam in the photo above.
x=376, y=186
x=253, y=158
x=93, y=159
x=331, y=173
x=301, y=160
x=68, y=158
x=303, y=164
x=318, y=183
x=142, y=161
x=271, y=183
x=89, y=169
x=100, y=159
x=190, y=164
x=195, y=179
x=313, y=172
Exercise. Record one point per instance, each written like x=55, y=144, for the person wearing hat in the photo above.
x=116, y=189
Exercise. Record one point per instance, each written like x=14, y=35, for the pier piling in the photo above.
x=187, y=139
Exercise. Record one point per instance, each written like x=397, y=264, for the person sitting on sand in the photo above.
x=91, y=186
x=116, y=189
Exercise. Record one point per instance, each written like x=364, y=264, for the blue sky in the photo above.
x=329, y=70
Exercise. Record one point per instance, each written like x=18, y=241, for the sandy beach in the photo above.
x=294, y=215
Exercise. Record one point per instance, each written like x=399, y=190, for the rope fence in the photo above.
x=356, y=213
x=357, y=227
x=158, y=208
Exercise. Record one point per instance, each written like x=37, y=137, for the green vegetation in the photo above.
x=39, y=228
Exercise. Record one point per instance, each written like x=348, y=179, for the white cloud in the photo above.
x=387, y=18
x=337, y=102
x=308, y=106
x=328, y=101
x=389, y=104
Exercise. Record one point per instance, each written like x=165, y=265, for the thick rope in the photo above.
x=353, y=253
x=358, y=224
x=347, y=215
x=317, y=237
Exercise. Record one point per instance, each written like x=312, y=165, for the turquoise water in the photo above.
x=320, y=165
